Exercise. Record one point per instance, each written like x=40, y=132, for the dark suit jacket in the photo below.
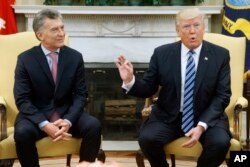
x=35, y=92
x=212, y=85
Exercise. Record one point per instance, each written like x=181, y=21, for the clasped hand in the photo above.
x=58, y=130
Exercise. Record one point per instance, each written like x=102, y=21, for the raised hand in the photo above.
x=125, y=69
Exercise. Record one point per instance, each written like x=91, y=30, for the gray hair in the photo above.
x=189, y=13
x=38, y=21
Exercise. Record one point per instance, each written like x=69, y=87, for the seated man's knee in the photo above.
x=93, y=127
x=219, y=144
x=23, y=134
x=147, y=140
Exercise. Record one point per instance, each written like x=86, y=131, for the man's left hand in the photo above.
x=194, y=134
x=62, y=134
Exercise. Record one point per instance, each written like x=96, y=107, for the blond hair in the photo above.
x=188, y=13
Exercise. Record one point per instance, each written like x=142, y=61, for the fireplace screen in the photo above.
x=119, y=113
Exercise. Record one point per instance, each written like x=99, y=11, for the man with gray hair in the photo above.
x=50, y=93
x=194, y=76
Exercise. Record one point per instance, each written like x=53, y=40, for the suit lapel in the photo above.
x=41, y=59
x=61, y=64
x=177, y=69
x=202, y=66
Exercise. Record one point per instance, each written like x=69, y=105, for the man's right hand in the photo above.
x=50, y=129
x=55, y=132
x=125, y=68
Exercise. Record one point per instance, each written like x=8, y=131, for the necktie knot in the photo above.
x=191, y=52
x=54, y=58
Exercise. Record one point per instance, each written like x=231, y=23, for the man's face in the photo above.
x=191, y=32
x=52, y=34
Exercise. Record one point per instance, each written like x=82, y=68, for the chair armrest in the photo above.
x=3, y=119
x=240, y=105
x=146, y=111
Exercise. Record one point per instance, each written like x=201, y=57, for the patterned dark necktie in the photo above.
x=188, y=113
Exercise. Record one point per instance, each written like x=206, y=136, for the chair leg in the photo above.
x=101, y=156
x=172, y=157
x=68, y=160
x=7, y=162
x=140, y=159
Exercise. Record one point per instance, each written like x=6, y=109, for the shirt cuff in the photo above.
x=129, y=85
x=70, y=124
x=203, y=124
x=42, y=124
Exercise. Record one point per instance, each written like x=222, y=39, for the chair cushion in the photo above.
x=46, y=147
x=175, y=148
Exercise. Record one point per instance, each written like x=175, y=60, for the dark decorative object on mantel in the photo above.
x=185, y=2
x=64, y=2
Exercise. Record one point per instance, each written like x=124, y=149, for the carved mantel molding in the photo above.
x=114, y=28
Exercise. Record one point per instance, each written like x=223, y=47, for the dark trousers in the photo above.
x=154, y=134
x=26, y=134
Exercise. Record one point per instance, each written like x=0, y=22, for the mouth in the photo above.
x=192, y=38
x=60, y=40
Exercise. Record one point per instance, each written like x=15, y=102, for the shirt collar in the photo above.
x=185, y=50
x=46, y=51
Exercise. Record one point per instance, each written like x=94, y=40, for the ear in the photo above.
x=39, y=35
x=177, y=30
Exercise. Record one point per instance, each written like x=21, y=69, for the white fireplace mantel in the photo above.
x=101, y=33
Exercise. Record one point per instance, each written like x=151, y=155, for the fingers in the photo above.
x=61, y=131
x=63, y=136
x=188, y=134
x=121, y=60
x=59, y=123
x=190, y=143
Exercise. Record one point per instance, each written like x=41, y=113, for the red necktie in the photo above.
x=55, y=115
x=53, y=56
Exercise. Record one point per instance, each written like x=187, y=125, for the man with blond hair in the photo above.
x=194, y=76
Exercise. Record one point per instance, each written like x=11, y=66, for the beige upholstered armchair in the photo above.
x=237, y=48
x=10, y=47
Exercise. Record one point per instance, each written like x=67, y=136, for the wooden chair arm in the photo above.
x=240, y=105
x=3, y=119
x=146, y=111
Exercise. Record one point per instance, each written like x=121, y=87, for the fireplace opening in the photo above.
x=119, y=113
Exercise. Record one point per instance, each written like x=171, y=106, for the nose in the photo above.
x=61, y=32
x=192, y=28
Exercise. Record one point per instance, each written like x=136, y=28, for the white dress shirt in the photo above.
x=184, y=57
